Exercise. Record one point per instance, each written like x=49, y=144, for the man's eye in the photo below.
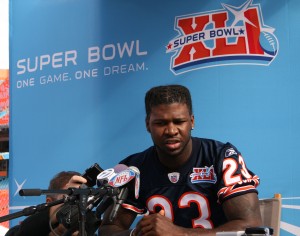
x=160, y=123
x=179, y=122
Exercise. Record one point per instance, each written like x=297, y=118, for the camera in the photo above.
x=91, y=174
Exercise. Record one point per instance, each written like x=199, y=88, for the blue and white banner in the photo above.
x=79, y=71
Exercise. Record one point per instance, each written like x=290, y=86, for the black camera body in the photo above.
x=91, y=174
x=68, y=214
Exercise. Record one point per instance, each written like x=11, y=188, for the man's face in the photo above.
x=170, y=128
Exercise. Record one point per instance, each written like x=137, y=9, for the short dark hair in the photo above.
x=167, y=94
x=60, y=180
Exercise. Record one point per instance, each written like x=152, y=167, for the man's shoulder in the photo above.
x=207, y=141
x=210, y=142
x=212, y=146
x=138, y=158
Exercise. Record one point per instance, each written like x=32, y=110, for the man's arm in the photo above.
x=241, y=212
x=120, y=225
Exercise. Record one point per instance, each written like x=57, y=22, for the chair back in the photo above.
x=270, y=210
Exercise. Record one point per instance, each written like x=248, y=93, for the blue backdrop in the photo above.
x=79, y=71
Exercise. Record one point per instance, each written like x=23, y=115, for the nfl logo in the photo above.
x=174, y=177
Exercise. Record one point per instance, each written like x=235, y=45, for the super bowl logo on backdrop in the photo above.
x=230, y=36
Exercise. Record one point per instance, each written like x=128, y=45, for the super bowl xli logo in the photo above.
x=229, y=36
x=203, y=174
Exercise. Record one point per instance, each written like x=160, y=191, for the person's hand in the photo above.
x=155, y=224
x=59, y=230
x=75, y=181
x=76, y=233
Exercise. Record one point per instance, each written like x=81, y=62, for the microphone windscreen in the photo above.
x=119, y=168
x=106, y=175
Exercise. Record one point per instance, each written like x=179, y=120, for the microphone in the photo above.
x=137, y=181
x=68, y=214
x=105, y=176
x=117, y=177
x=102, y=180
x=118, y=202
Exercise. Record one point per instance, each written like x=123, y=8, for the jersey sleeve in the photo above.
x=236, y=178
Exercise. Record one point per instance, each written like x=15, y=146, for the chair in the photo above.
x=270, y=210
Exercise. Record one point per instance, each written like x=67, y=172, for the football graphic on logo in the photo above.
x=268, y=43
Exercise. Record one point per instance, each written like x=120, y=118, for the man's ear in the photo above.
x=193, y=121
x=147, y=125
x=48, y=199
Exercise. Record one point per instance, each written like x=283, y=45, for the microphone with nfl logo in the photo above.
x=118, y=177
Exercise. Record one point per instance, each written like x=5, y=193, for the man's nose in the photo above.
x=171, y=129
